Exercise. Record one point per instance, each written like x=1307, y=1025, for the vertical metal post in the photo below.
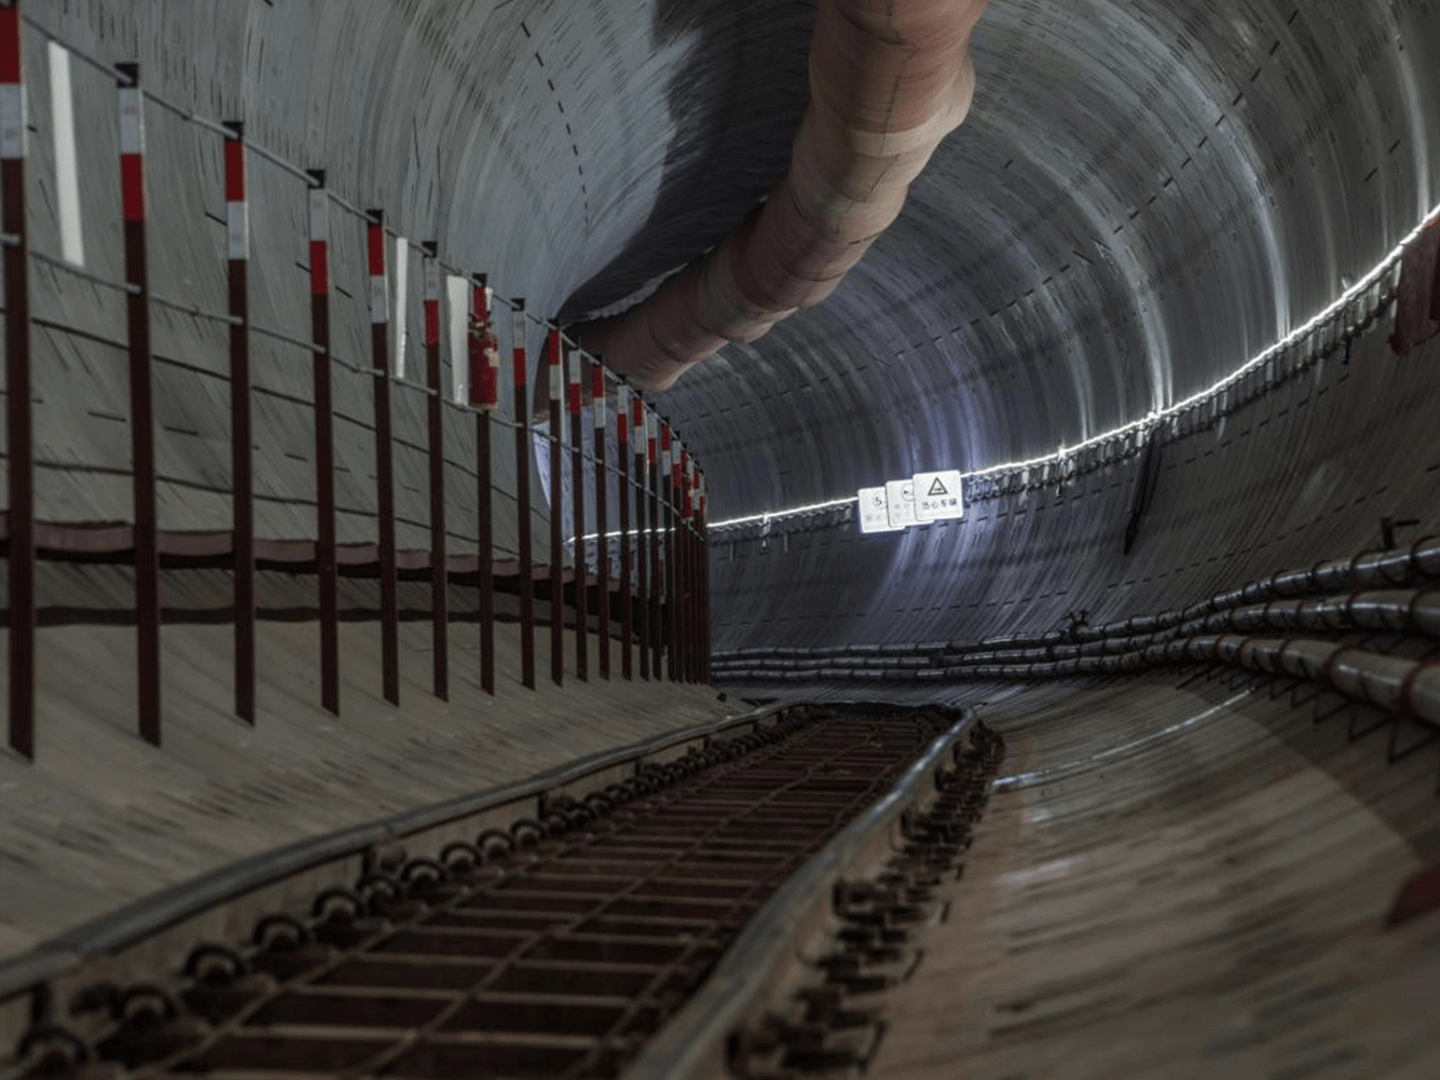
x=602, y=517
x=577, y=466
x=237, y=244
x=704, y=583
x=142, y=409
x=667, y=551
x=384, y=461
x=484, y=348
x=326, y=561
x=684, y=570
x=697, y=671
x=677, y=558
x=439, y=564
x=657, y=581
x=522, y=496
x=18, y=418
x=641, y=428
x=622, y=438
x=555, y=357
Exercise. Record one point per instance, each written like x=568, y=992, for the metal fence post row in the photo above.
x=660, y=559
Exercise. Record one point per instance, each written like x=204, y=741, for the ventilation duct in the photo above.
x=889, y=79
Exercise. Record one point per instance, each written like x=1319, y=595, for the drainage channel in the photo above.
x=554, y=949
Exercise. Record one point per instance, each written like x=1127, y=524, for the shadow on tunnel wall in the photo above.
x=734, y=103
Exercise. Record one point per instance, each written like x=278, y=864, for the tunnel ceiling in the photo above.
x=1145, y=192
x=1144, y=196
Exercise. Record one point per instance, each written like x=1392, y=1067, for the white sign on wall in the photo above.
x=874, y=511
x=937, y=496
x=900, y=502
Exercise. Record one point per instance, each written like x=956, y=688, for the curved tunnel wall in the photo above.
x=1144, y=196
x=1140, y=201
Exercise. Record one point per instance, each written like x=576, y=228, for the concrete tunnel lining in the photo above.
x=1144, y=196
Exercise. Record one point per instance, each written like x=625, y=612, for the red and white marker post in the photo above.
x=704, y=506
x=519, y=330
x=142, y=403
x=435, y=425
x=555, y=364
x=687, y=570
x=640, y=425
x=622, y=441
x=326, y=558
x=237, y=253
x=657, y=543
x=484, y=350
x=576, y=364
x=668, y=462
x=14, y=119
x=602, y=516
x=384, y=460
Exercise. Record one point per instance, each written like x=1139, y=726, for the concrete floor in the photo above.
x=101, y=818
x=1204, y=903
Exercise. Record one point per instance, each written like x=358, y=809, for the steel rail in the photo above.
x=557, y=951
x=112, y=933
x=745, y=983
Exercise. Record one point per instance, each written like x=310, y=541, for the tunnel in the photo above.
x=1166, y=303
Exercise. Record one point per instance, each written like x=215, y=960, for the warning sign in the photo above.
x=874, y=511
x=900, y=501
x=937, y=496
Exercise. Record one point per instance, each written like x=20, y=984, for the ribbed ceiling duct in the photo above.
x=889, y=79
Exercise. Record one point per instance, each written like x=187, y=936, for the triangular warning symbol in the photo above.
x=937, y=488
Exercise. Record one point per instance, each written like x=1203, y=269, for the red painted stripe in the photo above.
x=574, y=399
x=234, y=170
x=664, y=436
x=10, y=44
x=432, y=322
x=520, y=367
x=637, y=414
x=620, y=428
x=552, y=343
x=377, y=250
x=597, y=381
x=319, y=267
x=650, y=454
x=132, y=187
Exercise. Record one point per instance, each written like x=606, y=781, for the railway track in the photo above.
x=556, y=947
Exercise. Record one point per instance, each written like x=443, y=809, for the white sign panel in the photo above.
x=937, y=495
x=874, y=512
x=900, y=502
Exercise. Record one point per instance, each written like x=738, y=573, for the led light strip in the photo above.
x=1152, y=418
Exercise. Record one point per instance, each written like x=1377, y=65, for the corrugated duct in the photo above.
x=889, y=79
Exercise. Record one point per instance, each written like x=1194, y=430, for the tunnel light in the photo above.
x=1155, y=416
